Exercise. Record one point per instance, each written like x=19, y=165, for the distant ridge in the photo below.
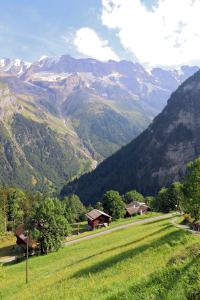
x=157, y=157
x=61, y=116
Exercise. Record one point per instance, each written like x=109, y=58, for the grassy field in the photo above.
x=82, y=227
x=149, y=261
x=9, y=248
x=7, y=245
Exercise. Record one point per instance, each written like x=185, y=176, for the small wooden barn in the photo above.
x=22, y=239
x=97, y=218
x=135, y=208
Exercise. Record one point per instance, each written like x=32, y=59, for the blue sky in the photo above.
x=152, y=32
x=31, y=28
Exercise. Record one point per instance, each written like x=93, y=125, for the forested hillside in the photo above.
x=157, y=157
x=60, y=117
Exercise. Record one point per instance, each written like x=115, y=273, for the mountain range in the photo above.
x=60, y=117
x=157, y=157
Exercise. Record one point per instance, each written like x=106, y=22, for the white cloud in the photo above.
x=169, y=34
x=88, y=43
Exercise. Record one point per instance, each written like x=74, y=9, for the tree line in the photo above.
x=49, y=219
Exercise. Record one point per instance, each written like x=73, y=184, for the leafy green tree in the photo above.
x=48, y=225
x=191, y=190
x=168, y=198
x=89, y=208
x=151, y=202
x=162, y=201
x=68, y=213
x=99, y=206
x=175, y=195
x=113, y=204
x=74, y=208
x=31, y=199
x=133, y=196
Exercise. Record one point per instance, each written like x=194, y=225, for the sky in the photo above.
x=151, y=32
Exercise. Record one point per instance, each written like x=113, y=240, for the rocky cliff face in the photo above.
x=157, y=157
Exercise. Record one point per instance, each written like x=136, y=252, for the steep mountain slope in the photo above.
x=156, y=157
x=61, y=117
x=107, y=104
x=103, y=124
x=36, y=150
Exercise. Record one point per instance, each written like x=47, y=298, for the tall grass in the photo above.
x=149, y=261
x=7, y=245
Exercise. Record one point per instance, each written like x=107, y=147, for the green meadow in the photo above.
x=82, y=227
x=155, y=260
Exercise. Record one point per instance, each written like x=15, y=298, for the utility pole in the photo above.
x=27, y=240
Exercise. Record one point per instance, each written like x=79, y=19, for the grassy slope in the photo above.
x=83, y=226
x=134, y=263
x=9, y=248
x=7, y=244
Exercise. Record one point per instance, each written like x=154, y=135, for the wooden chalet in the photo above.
x=135, y=208
x=22, y=239
x=97, y=218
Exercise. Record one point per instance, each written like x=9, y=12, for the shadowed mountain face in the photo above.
x=61, y=117
x=157, y=157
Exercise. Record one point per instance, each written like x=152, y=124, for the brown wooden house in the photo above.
x=97, y=218
x=22, y=239
x=135, y=208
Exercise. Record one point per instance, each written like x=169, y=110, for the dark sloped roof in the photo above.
x=143, y=206
x=132, y=210
x=136, y=203
x=20, y=233
x=135, y=207
x=95, y=213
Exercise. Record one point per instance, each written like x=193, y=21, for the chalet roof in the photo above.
x=135, y=207
x=20, y=233
x=95, y=213
x=135, y=203
x=144, y=206
x=133, y=210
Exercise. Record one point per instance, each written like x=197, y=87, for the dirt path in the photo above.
x=7, y=259
x=118, y=228
x=184, y=227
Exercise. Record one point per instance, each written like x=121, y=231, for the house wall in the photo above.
x=102, y=219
